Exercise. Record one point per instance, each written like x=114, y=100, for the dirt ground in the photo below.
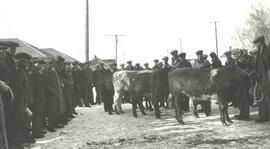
x=95, y=129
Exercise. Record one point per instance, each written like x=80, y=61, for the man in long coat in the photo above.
x=3, y=136
x=77, y=74
x=39, y=98
x=54, y=104
x=262, y=66
x=14, y=112
x=97, y=78
x=23, y=62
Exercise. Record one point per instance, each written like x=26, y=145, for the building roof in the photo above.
x=25, y=47
x=50, y=52
x=95, y=61
x=37, y=52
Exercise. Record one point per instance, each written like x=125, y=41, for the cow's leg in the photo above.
x=150, y=105
x=116, y=99
x=156, y=107
x=227, y=114
x=134, y=106
x=195, y=111
x=139, y=101
x=207, y=107
x=222, y=114
x=178, y=109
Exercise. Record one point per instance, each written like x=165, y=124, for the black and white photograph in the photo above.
x=134, y=74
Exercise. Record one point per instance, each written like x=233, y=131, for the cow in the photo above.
x=228, y=84
x=160, y=88
x=137, y=83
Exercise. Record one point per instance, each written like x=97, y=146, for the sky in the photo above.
x=153, y=28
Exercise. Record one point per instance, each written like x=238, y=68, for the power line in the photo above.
x=215, y=22
x=116, y=45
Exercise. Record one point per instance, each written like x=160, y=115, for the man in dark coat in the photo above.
x=88, y=93
x=202, y=63
x=175, y=59
x=4, y=88
x=23, y=63
x=54, y=104
x=146, y=67
x=14, y=112
x=122, y=67
x=262, y=66
x=77, y=82
x=230, y=61
x=156, y=65
x=39, y=98
x=130, y=66
x=182, y=61
x=97, y=77
x=216, y=63
x=138, y=66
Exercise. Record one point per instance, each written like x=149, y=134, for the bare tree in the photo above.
x=257, y=23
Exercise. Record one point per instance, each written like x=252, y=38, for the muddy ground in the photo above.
x=95, y=129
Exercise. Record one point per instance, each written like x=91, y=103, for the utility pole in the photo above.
x=180, y=39
x=116, y=45
x=215, y=22
x=87, y=33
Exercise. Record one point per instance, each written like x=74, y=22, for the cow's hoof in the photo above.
x=230, y=121
x=117, y=113
x=225, y=124
x=144, y=114
x=135, y=116
x=158, y=117
x=196, y=116
x=122, y=112
x=182, y=123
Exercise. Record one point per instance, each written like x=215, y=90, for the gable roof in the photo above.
x=95, y=61
x=50, y=52
x=25, y=47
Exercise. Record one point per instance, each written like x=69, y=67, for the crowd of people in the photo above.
x=40, y=94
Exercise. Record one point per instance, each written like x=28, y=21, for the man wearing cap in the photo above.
x=38, y=96
x=96, y=76
x=88, y=75
x=54, y=103
x=23, y=62
x=262, y=67
x=14, y=116
x=130, y=67
x=175, y=59
x=138, y=67
x=122, y=67
x=76, y=73
x=201, y=61
x=113, y=67
x=3, y=103
x=230, y=61
x=156, y=65
x=166, y=64
x=146, y=66
x=182, y=62
x=216, y=63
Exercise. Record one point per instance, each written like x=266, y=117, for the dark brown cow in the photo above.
x=230, y=83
